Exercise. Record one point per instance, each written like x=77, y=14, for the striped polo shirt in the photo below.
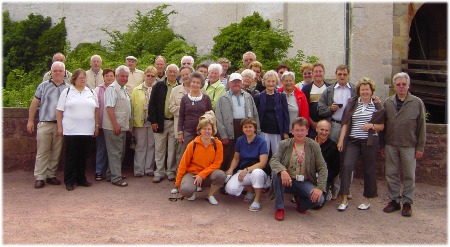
x=362, y=115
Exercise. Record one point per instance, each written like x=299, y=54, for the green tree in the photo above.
x=149, y=33
x=253, y=33
x=178, y=48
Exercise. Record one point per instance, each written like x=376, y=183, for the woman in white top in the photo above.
x=77, y=119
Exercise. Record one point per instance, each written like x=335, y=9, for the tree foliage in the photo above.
x=253, y=33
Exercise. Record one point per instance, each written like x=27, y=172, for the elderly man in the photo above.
x=187, y=61
x=136, y=76
x=49, y=144
x=313, y=92
x=294, y=168
x=116, y=122
x=404, y=142
x=94, y=75
x=247, y=59
x=160, y=65
x=330, y=153
x=58, y=57
x=232, y=107
x=162, y=121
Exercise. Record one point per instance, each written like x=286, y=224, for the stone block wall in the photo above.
x=19, y=150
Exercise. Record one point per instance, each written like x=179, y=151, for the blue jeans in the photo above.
x=101, y=158
x=301, y=189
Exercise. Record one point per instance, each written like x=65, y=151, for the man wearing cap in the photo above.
x=232, y=107
x=49, y=144
x=94, y=76
x=58, y=57
x=136, y=76
x=162, y=121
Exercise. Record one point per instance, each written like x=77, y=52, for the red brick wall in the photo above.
x=19, y=150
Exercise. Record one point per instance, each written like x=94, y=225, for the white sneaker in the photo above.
x=212, y=200
x=191, y=198
x=174, y=191
x=199, y=189
x=329, y=195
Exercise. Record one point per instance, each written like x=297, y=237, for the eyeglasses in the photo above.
x=58, y=71
x=401, y=84
x=342, y=74
x=150, y=76
x=186, y=63
x=307, y=73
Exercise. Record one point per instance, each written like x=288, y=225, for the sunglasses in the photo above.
x=401, y=84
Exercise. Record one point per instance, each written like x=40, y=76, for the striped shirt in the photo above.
x=362, y=115
x=48, y=93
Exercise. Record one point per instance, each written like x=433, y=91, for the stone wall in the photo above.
x=19, y=150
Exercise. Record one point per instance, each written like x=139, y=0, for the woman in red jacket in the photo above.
x=200, y=164
x=296, y=99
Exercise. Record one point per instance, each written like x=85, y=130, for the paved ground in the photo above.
x=142, y=214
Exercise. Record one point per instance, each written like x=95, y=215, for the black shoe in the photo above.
x=392, y=207
x=39, y=184
x=85, y=184
x=406, y=211
x=53, y=181
x=69, y=187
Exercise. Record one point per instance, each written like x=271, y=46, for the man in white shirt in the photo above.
x=136, y=76
x=94, y=76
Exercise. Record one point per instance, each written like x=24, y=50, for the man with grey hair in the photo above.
x=58, y=57
x=404, y=141
x=94, y=76
x=49, y=144
x=248, y=58
x=187, y=61
x=116, y=122
x=160, y=65
x=136, y=76
x=162, y=121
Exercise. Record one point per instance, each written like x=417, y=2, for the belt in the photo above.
x=170, y=119
x=49, y=121
x=332, y=120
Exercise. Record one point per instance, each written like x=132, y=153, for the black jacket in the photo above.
x=156, y=104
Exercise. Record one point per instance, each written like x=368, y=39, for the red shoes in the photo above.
x=279, y=214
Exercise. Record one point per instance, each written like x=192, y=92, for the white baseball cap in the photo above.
x=235, y=76
x=131, y=58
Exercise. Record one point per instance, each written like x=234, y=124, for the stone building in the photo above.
x=376, y=40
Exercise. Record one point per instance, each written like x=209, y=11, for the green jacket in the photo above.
x=314, y=161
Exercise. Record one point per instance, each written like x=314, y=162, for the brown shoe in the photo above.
x=392, y=207
x=406, y=211
x=39, y=184
x=53, y=181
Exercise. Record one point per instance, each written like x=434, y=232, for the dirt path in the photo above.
x=142, y=214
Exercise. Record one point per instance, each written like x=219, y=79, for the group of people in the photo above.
x=245, y=132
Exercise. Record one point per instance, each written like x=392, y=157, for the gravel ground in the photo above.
x=142, y=214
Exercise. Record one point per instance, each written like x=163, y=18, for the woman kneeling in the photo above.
x=250, y=158
x=200, y=164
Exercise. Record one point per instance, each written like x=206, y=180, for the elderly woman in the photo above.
x=144, y=152
x=249, y=81
x=296, y=99
x=101, y=159
x=250, y=158
x=306, y=70
x=77, y=119
x=192, y=107
x=361, y=121
x=259, y=73
x=273, y=112
x=176, y=95
x=214, y=88
x=200, y=164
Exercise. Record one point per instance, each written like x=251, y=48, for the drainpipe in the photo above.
x=347, y=33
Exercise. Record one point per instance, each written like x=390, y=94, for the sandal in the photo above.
x=121, y=183
x=255, y=207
